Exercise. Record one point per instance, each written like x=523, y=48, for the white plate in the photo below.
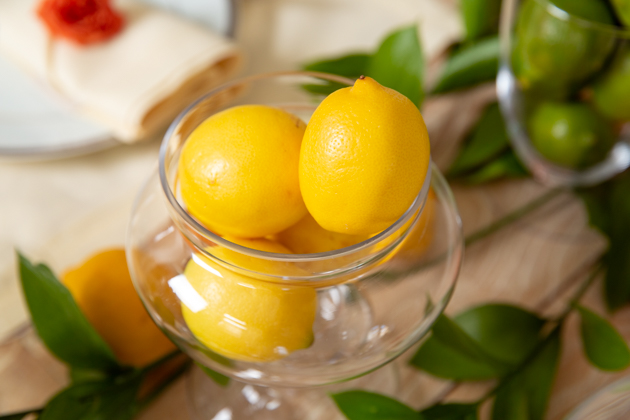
x=34, y=124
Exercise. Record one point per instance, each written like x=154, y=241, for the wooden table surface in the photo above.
x=535, y=262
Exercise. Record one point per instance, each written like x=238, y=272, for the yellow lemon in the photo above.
x=244, y=318
x=308, y=237
x=103, y=290
x=255, y=266
x=364, y=158
x=238, y=171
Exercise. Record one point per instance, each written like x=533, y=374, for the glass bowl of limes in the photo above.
x=564, y=87
x=267, y=261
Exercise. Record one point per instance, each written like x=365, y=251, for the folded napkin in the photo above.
x=136, y=82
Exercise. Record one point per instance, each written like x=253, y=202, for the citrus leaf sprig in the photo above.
x=363, y=405
x=397, y=63
x=608, y=207
x=486, y=154
x=503, y=342
x=60, y=323
x=481, y=17
x=100, y=387
x=351, y=66
x=514, y=351
x=108, y=399
x=499, y=337
x=372, y=406
x=469, y=65
x=603, y=345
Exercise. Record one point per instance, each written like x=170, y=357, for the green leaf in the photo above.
x=511, y=404
x=87, y=375
x=506, y=332
x=617, y=280
x=487, y=140
x=443, y=361
x=399, y=64
x=595, y=200
x=60, y=323
x=363, y=405
x=506, y=165
x=603, y=345
x=608, y=206
x=105, y=400
x=481, y=17
x=450, y=412
x=526, y=394
x=351, y=66
x=617, y=259
x=323, y=89
x=218, y=378
x=448, y=332
x=452, y=354
x=469, y=66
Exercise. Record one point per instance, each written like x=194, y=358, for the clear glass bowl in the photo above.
x=610, y=403
x=374, y=299
x=556, y=56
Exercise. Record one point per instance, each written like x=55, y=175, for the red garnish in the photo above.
x=81, y=21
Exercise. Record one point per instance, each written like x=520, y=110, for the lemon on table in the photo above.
x=103, y=290
x=245, y=318
x=364, y=158
x=308, y=237
x=238, y=171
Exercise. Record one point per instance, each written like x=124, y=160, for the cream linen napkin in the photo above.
x=136, y=82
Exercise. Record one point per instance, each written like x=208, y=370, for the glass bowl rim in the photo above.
x=560, y=14
x=621, y=385
x=172, y=202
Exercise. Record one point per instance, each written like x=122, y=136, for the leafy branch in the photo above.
x=608, y=206
x=397, y=63
x=503, y=342
x=100, y=386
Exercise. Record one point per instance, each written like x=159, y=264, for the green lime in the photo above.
x=570, y=134
x=553, y=56
x=593, y=10
x=611, y=91
x=622, y=7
